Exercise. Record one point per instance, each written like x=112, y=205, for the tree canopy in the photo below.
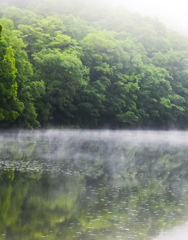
x=67, y=65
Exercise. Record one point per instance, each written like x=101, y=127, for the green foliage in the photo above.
x=19, y=16
x=72, y=66
x=75, y=27
x=9, y=103
x=44, y=33
x=1, y=29
x=17, y=72
x=63, y=74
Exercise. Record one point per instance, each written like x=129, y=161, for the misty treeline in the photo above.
x=76, y=63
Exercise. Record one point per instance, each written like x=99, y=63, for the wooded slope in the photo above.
x=67, y=63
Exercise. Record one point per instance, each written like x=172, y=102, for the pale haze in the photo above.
x=174, y=13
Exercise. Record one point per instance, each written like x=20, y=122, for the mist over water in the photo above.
x=50, y=148
x=99, y=184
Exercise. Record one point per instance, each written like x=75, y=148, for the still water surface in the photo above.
x=93, y=185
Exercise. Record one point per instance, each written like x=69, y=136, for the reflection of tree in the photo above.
x=14, y=188
x=156, y=180
x=109, y=190
x=51, y=204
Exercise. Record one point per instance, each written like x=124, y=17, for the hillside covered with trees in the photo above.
x=78, y=63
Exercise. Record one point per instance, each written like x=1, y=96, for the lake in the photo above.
x=93, y=185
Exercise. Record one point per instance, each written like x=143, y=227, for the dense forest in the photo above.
x=84, y=64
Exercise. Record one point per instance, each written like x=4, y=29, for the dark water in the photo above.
x=92, y=185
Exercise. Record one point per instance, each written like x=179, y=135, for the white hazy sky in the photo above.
x=174, y=13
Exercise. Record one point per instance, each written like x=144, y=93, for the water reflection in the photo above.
x=92, y=185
